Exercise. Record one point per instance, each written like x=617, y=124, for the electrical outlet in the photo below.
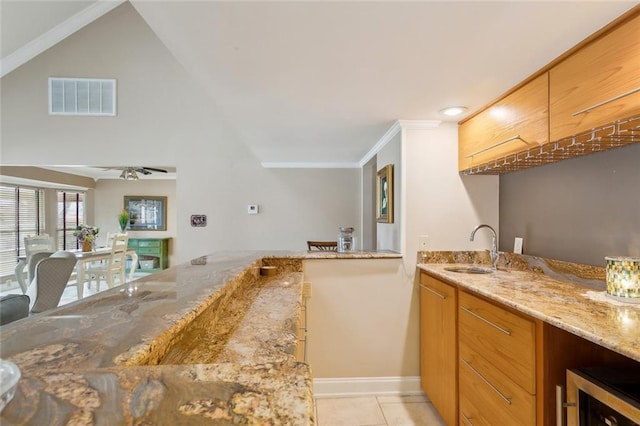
x=423, y=243
x=306, y=290
x=517, y=245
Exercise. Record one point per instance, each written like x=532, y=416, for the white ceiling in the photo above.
x=321, y=82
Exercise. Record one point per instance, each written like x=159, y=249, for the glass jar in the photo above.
x=346, y=240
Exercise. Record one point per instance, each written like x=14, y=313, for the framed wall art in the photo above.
x=384, y=194
x=146, y=213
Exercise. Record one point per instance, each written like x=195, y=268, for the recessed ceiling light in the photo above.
x=453, y=111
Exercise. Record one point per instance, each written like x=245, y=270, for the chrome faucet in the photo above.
x=493, y=253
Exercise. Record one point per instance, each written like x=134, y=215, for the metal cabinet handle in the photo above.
x=599, y=104
x=467, y=419
x=504, y=398
x=560, y=404
x=441, y=296
x=496, y=326
x=496, y=145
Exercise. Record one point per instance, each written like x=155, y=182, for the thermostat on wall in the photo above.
x=253, y=209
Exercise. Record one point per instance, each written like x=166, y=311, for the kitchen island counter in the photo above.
x=207, y=341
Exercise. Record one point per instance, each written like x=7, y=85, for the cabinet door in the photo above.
x=587, y=89
x=438, y=360
x=515, y=123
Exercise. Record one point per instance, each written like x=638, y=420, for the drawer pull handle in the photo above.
x=504, y=330
x=504, y=398
x=599, y=104
x=441, y=296
x=467, y=419
x=497, y=145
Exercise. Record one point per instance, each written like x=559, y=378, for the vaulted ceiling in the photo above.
x=321, y=82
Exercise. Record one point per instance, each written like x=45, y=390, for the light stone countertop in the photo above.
x=206, y=342
x=568, y=296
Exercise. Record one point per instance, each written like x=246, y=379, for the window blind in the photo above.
x=71, y=213
x=21, y=215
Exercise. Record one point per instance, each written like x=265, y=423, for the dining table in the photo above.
x=83, y=257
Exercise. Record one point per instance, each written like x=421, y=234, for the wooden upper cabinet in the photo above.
x=595, y=86
x=516, y=123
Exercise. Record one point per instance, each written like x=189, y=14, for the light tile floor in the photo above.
x=377, y=411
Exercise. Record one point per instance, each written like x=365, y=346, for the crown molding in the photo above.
x=385, y=139
x=393, y=130
x=310, y=165
x=56, y=35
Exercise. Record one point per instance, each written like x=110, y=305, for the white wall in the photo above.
x=389, y=233
x=165, y=119
x=439, y=202
x=369, y=231
x=361, y=320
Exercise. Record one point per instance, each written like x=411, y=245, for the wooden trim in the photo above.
x=622, y=19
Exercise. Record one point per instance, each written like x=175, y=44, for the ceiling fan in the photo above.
x=131, y=172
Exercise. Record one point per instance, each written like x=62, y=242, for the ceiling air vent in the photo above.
x=82, y=96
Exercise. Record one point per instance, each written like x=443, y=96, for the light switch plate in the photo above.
x=253, y=209
x=517, y=245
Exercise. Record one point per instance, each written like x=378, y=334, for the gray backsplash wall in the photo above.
x=577, y=210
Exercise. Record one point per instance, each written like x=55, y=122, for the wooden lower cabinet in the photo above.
x=438, y=342
x=483, y=363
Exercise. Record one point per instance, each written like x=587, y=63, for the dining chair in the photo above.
x=322, y=245
x=51, y=276
x=32, y=245
x=114, y=266
x=108, y=241
x=13, y=307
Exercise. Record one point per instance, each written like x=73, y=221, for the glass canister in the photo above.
x=346, y=240
x=623, y=278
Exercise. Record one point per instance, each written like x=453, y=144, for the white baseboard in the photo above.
x=359, y=386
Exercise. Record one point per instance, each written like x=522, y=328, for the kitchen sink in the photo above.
x=469, y=269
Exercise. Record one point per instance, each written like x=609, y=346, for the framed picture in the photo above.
x=384, y=194
x=146, y=213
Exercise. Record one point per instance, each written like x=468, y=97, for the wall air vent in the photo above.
x=82, y=96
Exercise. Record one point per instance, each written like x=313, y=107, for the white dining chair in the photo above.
x=32, y=245
x=50, y=278
x=113, y=269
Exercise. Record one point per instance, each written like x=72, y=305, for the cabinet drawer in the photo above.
x=149, y=250
x=485, y=403
x=502, y=338
x=153, y=243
